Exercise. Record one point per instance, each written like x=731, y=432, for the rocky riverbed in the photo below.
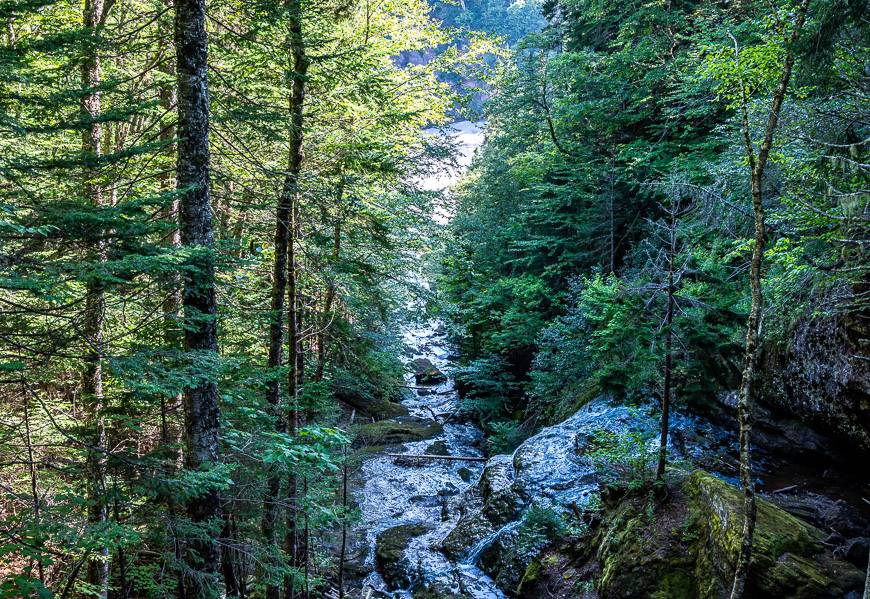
x=446, y=528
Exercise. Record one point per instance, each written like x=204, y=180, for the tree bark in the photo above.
x=170, y=432
x=201, y=410
x=757, y=166
x=290, y=199
x=228, y=559
x=867, y=581
x=94, y=317
x=342, y=556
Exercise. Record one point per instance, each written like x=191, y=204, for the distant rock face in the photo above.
x=823, y=378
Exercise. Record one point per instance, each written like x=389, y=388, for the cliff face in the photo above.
x=822, y=377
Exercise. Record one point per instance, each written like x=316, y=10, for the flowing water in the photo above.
x=395, y=492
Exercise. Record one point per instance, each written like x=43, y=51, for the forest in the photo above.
x=434, y=299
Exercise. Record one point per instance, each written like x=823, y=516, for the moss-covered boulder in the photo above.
x=687, y=546
x=501, y=502
x=788, y=557
x=492, y=504
x=390, y=546
x=379, y=407
x=394, y=432
x=472, y=528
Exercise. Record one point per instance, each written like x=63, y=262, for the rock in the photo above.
x=687, y=548
x=856, y=551
x=777, y=434
x=505, y=560
x=394, y=432
x=819, y=378
x=465, y=474
x=438, y=448
x=425, y=372
x=501, y=503
x=824, y=512
x=472, y=528
x=449, y=490
x=375, y=407
x=788, y=558
x=390, y=546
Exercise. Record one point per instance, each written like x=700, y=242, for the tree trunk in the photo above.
x=669, y=337
x=94, y=316
x=342, y=557
x=170, y=432
x=867, y=581
x=744, y=399
x=323, y=332
x=201, y=410
x=228, y=559
x=291, y=196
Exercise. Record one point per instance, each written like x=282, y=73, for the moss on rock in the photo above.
x=394, y=432
x=390, y=548
x=686, y=548
x=788, y=557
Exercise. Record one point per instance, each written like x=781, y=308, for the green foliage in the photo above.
x=540, y=527
x=624, y=460
x=504, y=436
x=557, y=258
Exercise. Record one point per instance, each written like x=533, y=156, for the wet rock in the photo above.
x=390, y=549
x=505, y=559
x=472, y=528
x=448, y=491
x=426, y=500
x=465, y=474
x=410, y=461
x=501, y=503
x=426, y=373
x=438, y=448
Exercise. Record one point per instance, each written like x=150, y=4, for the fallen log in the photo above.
x=463, y=458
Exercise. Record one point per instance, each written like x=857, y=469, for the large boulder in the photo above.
x=390, y=546
x=687, y=548
x=487, y=508
x=394, y=432
x=426, y=373
x=788, y=557
x=821, y=376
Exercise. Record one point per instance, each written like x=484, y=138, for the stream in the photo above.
x=431, y=526
x=396, y=492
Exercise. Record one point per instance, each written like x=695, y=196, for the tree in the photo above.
x=757, y=164
x=201, y=410
x=93, y=17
